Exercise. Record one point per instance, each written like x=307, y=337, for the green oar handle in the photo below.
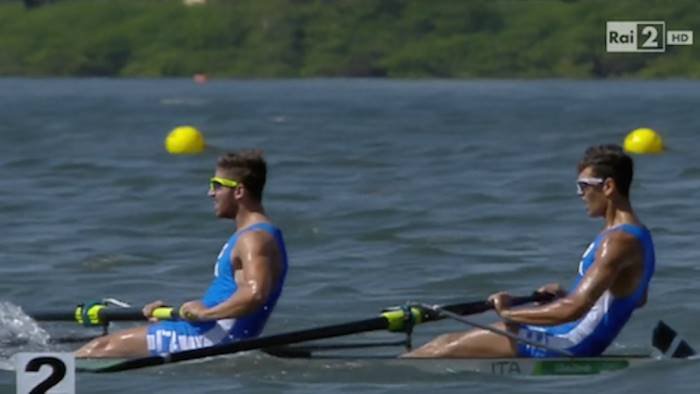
x=166, y=313
x=129, y=314
x=383, y=322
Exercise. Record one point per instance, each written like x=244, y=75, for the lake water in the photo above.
x=387, y=191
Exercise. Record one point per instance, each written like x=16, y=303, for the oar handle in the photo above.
x=479, y=307
x=166, y=313
x=132, y=314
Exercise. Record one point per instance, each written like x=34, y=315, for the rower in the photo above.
x=249, y=274
x=612, y=280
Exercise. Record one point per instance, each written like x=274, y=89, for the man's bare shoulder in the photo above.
x=256, y=241
x=620, y=247
x=623, y=239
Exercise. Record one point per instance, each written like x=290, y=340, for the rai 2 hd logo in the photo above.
x=643, y=36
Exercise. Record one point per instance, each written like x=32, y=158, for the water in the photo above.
x=387, y=191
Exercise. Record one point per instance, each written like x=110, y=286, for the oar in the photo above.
x=100, y=314
x=671, y=345
x=394, y=320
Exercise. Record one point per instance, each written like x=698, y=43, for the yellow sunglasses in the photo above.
x=217, y=182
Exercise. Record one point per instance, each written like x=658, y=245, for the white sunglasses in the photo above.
x=585, y=182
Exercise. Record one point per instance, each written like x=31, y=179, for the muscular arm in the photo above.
x=258, y=254
x=614, y=254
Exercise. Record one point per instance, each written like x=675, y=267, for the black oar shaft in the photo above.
x=357, y=327
x=483, y=306
x=121, y=314
x=105, y=314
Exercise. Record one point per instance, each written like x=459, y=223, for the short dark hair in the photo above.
x=247, y=167
x=610, y=161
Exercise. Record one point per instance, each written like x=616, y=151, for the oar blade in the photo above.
x=667, y=340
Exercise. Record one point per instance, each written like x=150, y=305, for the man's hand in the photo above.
x=192, y=310
x=554, y=289
x=500, y=301
x=149, y=308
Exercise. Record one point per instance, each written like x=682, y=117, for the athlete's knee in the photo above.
x=430, y=349
x=94, y=348
x=449, y=338
x=446, y=344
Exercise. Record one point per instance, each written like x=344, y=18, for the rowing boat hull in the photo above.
x=490, y=366
x=525, y=366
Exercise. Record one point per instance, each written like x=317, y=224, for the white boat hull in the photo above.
x=490, y=366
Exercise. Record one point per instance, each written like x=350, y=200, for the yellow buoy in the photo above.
x=184, y=140
x=643, y=140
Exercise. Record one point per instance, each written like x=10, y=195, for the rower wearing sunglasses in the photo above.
x=612, y=281
x=248, y=275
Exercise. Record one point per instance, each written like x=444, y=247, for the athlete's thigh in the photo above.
x=125, y=343
x=484, y=343
x=474, y=343
x=128, y=343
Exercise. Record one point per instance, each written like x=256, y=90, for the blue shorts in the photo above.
x=576, y=338
x=175, y=336
x=541, y=335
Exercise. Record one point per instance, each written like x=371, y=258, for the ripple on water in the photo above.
x=19, y=332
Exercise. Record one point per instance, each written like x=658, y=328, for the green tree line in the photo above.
x=329, y=38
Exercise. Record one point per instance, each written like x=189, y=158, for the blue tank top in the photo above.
x=223, y=286
x=594, y=332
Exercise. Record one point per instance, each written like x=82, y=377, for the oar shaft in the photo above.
x=106, y=314
x=483, y=306
x=377, y=323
